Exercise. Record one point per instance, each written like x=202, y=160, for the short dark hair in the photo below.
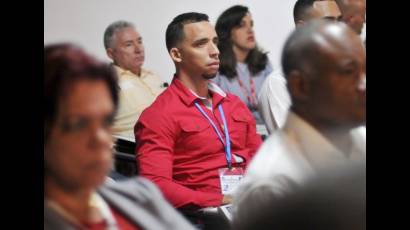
x=64, y=65
x=301, y=9
x=229, y=19
x=175, y=30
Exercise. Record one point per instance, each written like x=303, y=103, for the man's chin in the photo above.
x=209, y=76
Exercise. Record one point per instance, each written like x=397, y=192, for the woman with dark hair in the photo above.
x=81, y=97
x=243, y=65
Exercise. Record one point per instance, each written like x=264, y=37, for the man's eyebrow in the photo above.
x=200, y=41
x=128, y=41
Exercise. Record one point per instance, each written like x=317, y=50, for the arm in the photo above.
x=155, y=144
x=264, y=106
x=275, y=101
x=253, y=140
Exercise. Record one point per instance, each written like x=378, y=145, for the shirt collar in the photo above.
x=189, y=97
x=123, y=72
x=96, y=201
x=316, y=147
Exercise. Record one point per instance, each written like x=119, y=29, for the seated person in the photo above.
x=274, y=99
x=325, y=67
x=138, y=86
x=244, y=66
x=334, y=199
x=194, y=132
x=81, y=97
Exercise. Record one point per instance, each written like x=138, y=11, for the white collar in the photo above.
x=96, y=201
x=212, y=87
x=121, y=72
x=317, y=148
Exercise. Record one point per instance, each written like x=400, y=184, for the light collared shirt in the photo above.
x=291, y=156
x=136, y=94
x=274, y=101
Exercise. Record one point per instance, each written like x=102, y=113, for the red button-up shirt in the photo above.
x=178, y=149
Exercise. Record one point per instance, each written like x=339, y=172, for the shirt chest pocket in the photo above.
x=194, y=134
x=238, y=130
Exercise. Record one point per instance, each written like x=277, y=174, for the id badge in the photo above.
x=230, y=179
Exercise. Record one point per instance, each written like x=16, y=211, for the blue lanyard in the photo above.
x=227, y=143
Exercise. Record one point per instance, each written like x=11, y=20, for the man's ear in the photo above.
x=300, y=23
x=299, y=85
x=175, y=55
x=110, y=53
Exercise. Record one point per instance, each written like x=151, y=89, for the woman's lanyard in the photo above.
x=250, y=96
x=227, y=143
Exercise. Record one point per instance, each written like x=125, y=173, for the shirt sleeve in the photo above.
x=253, y=140
x=274, y=101
x=278, y=99
x=264, y=108
x=155, y=143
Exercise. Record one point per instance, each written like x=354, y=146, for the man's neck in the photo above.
x=197, y=84
x=340, y=136
x=240, y=54
x=75, y=203
x=137, y=72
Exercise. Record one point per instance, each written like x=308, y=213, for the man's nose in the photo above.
x=138, y=48
x=101, y=138
x=214, y=51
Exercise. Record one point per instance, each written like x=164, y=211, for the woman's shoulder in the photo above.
x=136, y=187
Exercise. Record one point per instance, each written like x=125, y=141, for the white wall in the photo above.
x=84, y=22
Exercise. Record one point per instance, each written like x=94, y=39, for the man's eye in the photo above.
x=74, y=126
x=200, y=44
x=109, y=121
x=348, y=71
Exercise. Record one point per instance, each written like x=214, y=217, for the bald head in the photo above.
x=324, y=63
x=353, y=13
x=303, y=48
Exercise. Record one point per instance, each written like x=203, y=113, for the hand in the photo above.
x=227, y=199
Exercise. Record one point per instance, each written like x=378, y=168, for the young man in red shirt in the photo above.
x=195, y=140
